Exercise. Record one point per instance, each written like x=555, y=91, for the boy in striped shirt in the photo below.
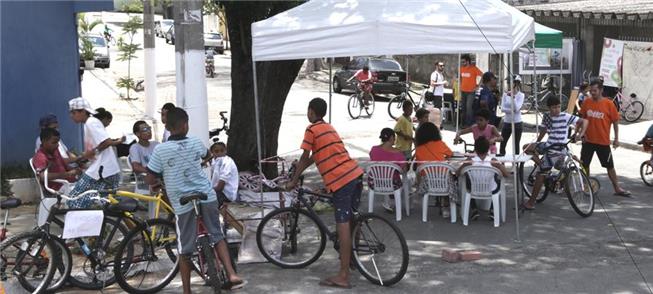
x=556, y=124
x=341, y=175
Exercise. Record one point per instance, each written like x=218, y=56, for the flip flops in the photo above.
x=623, y=193
x=234, y=285
x=331, y=283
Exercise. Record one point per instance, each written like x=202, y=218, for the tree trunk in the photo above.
x=274, y=81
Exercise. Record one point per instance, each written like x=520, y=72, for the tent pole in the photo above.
x=514, y=135
x=258, y=131
x=560, y=88
x=330, y=88
x=460, y=96
x=534, y=89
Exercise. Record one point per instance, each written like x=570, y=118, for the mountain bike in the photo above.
x=295, y=237
x=357, y=102
x=548, y=89
x=396, y=103
x=570, y=178
x=630, y=108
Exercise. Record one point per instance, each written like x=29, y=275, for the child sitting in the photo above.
x=224, y=178
x=139, y=153
x=49, y=157
x=482, y=128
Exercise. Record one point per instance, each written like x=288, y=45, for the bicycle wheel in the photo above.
x=28, y=258
x=633, y=111
x=93, y=270
x=210, y=262
x=369, y=108
x=146, y=260
x=646, y=172
x=394, y=106
x=379, y=250
x=353, y=106
x=290, y=238
x=596, y=185
x=63, y=265
x=579, y=192
x=527, y=175
x=249, y=180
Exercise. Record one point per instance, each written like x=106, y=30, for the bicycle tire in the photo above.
x=353, y=107
x=587, y=191
x=528, y=181
x=208, y=254
x=369, y=109
x=63, y=266
x=248, y=180
x=646, y=172
x=359, y=245
x=395, y=105
x=633, y=111
x=141, y=234
x=24, y=243
x=94, y=283
x=290, y=231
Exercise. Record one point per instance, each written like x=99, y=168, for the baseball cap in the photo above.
x=515, y=78
x=47, y=120
x=80, y=103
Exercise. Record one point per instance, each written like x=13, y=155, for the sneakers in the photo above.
x=445, y=212
x=389, y=207
x=474, y=215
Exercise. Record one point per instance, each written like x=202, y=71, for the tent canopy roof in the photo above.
x=337, y=28
x=546, y=37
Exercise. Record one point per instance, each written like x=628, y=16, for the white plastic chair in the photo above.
x=481, y=184
x=437, y=178
x=47, y=202
x=382, y=175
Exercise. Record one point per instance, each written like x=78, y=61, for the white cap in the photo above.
x=80, y=103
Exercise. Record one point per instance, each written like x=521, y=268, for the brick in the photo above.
x=450, y=255
x=469, y=255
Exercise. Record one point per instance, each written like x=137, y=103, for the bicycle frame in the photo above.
x=301, y=200
x=202, y=232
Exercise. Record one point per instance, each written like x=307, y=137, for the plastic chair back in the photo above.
x=382, y=176
x=437, y=177
x=482, y=180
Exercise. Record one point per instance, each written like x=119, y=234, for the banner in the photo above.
x=611, y=62
x=548, y=59
x=638, y=73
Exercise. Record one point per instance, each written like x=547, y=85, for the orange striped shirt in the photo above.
x=330, y=156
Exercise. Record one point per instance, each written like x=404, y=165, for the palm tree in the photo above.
x=83, y=26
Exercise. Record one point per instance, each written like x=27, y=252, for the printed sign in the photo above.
x=82, y=223
x=611, y=61
x=548, y=60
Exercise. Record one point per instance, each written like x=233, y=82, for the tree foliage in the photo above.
x=131, y=6
x=83, y=26
x=128, y=51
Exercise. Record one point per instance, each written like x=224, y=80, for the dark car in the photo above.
x=388, y=74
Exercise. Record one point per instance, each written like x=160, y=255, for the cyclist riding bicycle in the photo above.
x=647, y=142
x=555, y=123
x=366, y=80
x=107, y=33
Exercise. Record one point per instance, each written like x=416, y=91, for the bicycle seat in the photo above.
x=10, y=203
x=188, y=198
x=125, y=205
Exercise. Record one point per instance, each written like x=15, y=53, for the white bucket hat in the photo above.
x=80, y=103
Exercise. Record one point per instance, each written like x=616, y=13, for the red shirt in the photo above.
x=57, y=165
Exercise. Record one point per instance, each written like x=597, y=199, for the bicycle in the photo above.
x=295, y=237
x=549, y=89
x=646, y=168
x=253, y=180
x=395, y=105
x=357, y=102
x=570, y=177
x=214, y=133
x=631, y=109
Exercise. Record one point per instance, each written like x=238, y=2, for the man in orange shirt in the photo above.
x=601, y=113
x=341, y=175
x=469, y=75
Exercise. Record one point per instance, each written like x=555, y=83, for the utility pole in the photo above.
x=150, y=64
x=189, y=56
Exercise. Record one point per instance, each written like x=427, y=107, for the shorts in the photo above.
x=602, y=151
x=346, y=200
x=186, y=224
x=549, y=157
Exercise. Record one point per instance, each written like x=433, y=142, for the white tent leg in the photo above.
x=460, y=95
x=258, y=131
x=560, y=88
x=514, y=135
x=537, y=107
x=330, y=86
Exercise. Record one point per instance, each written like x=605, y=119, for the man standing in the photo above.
x=487, y=97
x=601, y=113
x=437, y=84
x=469, y=77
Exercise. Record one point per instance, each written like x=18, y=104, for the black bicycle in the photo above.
x=357, y=102
x=395, y=105
x=295, y=237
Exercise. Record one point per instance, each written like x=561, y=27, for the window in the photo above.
x=384, y=64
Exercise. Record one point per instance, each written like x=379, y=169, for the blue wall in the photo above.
x=40, y=63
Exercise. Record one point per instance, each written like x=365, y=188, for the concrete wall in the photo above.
x=420, y=67
x=40, y=65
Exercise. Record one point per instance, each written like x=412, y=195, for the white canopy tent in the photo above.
x=340, y=28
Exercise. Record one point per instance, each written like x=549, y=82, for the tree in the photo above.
x=128, y=51
x=274, y=81
x=83, y=26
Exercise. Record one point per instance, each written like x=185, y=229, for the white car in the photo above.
x=214, y=41
x=162, y=26
x=101, y=48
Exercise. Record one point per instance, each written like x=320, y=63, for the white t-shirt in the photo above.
x=477, y=161
x=506, y=107
x=224, y=168
x=62, y=147
x=437, y=77
x=94, y=134
x=141, y=154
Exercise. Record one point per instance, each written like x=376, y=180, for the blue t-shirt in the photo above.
x=485, y=94
x=178, y=161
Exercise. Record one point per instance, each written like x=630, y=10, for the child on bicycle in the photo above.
x=555, y=124
x=341, y=175
x=177, y=162
x=482, y=128
x=647, y=141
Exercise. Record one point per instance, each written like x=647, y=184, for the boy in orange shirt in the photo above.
x=469, y=75
x=601, y=113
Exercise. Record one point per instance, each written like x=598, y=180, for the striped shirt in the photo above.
x=330, y=156
x=178, y=161
x=557, y=126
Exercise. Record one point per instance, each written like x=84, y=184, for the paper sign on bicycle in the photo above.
x=82, y=223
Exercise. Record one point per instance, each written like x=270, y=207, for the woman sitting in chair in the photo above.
x=387, y=153
x=430, y=147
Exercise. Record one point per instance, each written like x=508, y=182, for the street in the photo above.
x=558, y=251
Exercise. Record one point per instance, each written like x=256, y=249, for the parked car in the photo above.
x=170, y=35
x=101, y=48
x=214, y=41
x=162, y=26
x=388, y=74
